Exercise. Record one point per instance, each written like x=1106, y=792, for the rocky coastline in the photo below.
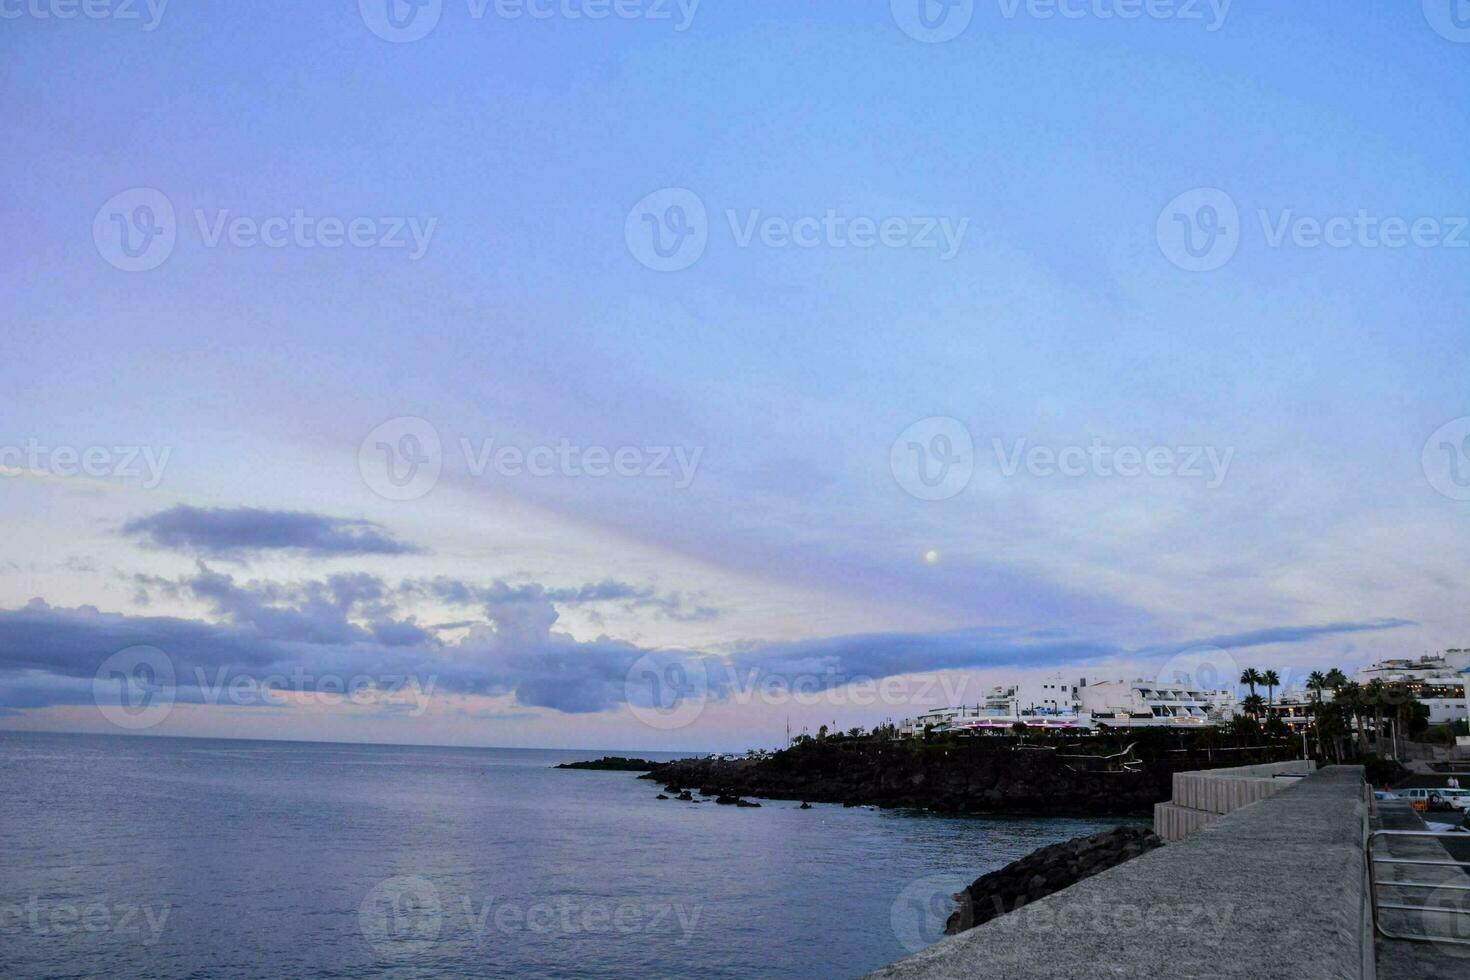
x=1046, y=871
x=613, y=763
x=977, y=776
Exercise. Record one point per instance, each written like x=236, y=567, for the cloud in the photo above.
x=347, y=626
x=677, y=606
x=237, y=533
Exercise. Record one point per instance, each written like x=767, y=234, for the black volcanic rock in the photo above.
x=614, y=763
x=1046, y=871
x=974, y=775
x=1108, y=774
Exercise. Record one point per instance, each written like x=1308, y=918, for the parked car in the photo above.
x=1436, y=796
x=1383, y=794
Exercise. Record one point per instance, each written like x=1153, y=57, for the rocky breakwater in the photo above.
x=613, y=763
x=972, y=776
x=1045, y=871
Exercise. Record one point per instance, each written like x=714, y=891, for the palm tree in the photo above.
x=1317, y=680
x=1252, y=677
x=1272, y=682
x=1336, y=679
x=1253, y=705
x=1375, y=694
x=1350, y=696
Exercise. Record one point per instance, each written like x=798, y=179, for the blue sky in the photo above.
x=1054, y=148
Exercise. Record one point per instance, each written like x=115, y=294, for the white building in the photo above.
x=1142, y=703
x=1057, y=702
x=1438, y=682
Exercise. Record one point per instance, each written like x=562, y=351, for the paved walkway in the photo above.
x=1401, y=959
x=1276, y=889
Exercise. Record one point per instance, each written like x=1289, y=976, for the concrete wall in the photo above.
x=1277, y=889
x=1204, y=796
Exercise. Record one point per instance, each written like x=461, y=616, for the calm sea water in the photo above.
x=199, y=858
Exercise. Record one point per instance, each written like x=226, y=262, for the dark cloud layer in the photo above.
x=355, y=625
x=243, y=532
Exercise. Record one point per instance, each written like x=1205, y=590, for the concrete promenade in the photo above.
x=1275, y=889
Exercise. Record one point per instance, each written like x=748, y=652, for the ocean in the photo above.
x=160, y=857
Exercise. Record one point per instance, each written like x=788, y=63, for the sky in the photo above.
x=647, y=374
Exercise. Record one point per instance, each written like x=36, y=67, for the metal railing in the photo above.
x=1374, y=883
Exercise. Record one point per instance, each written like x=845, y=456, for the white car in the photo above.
x=1457, y=798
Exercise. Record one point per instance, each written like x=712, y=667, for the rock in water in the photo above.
x=1046, y=871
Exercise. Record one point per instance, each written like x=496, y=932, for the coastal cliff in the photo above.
x=964, y=776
